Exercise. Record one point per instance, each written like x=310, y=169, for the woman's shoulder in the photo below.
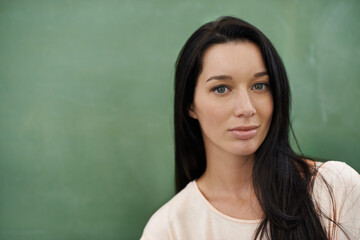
x=337, y=192
x=338, y=174
x=337, y=183
x=158, y=225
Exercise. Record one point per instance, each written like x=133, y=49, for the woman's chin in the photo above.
x=243, y=150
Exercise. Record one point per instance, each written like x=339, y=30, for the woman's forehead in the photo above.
x=232, y=58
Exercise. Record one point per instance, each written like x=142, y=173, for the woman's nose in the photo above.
x=243, y=105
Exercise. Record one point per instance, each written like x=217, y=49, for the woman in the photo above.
x=237, y=176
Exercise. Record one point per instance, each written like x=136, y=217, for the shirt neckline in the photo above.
x=213, y=209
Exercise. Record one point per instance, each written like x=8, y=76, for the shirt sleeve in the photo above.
x=144, y=237
x=157, y=226
x=349, y=209
x=344, y=205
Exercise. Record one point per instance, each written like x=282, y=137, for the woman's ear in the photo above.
x=191, y=112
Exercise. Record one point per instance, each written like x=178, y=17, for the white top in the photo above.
x=189, y=215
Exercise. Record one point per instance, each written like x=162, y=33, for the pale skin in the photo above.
x=233, y=104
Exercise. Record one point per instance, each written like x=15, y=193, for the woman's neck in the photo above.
x=228, y=175
x=227, y=185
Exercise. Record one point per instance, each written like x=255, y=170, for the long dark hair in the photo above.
x=281, y=178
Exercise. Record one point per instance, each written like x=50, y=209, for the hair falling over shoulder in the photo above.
x=282, y=179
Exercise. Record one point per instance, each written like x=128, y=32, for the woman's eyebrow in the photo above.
x=227, y=77
x=219, y=77
x=260, y=74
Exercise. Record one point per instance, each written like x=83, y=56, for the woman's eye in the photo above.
x=220, y=89
x=260, y=86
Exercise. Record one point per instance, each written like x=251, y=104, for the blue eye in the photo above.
x=220, y=89
x=259, y=86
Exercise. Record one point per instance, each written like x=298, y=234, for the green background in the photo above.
x=86, y=88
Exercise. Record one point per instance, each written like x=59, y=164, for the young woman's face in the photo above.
x=232, y=100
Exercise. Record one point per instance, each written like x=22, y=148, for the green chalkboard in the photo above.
x=86, y=88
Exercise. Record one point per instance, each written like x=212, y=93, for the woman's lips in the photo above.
x=244, y=132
